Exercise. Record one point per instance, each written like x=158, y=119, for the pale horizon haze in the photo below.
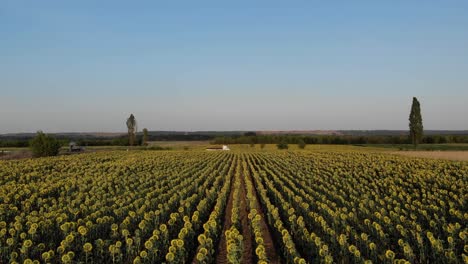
x=85, y=66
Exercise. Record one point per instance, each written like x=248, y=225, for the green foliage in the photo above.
x=43, y=145
x=131, y=126
x=250, y=134
x=415, y=125
x=144, y=142
x=340, y=139
x=301, y=144
x=158, y=148
x=422, y=147
x=282, y=145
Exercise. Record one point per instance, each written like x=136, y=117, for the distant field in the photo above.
x=180, y=144
x=449, y=155
x=457, y=149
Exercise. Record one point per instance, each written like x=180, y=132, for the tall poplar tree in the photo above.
x=415, y=123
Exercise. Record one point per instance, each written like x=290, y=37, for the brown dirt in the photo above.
x=221, y=253
x=448, y=155
x=248, y=250
x=13, y=155
x=268, y=241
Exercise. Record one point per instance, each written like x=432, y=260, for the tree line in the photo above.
x=47, y=145
x=339, y=139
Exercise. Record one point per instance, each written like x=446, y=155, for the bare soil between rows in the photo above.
x=248, y=254
x=221, y=256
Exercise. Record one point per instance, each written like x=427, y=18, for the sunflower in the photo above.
x=390, y=254
x=357, y=253
x=82, y=230
x=31, y=230
x=27, y=243
x=70, y=238
x=148, y=245
x=87, y=247
x=113, y=249
x=180, y=243
x=170, y=257
x=137, y=260
x=66, y=259
x=259, y=240
x=200, y=257
x=462, y=235
x=328, y=259
x=259, y=251
x=204, y=251
x=172, y=249
x=45, y=256
x=364, y=236
x=407, y=249
x=13, y=255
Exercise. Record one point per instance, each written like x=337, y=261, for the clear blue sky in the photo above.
x=231, y=65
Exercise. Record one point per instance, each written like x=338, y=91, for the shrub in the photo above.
x=301, y=144
x=156, y=147
x=282, y=145
x=43, y=145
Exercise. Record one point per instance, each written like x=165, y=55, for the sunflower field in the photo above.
x=241, y=206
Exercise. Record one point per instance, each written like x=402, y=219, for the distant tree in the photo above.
x=415, y=123
x=43, y=145
x=250, y=134
x=251, y=142
x=301, y=144
x=282, y=145
x=145, y=137
x=131, y=125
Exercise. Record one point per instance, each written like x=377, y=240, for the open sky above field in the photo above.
x=231, y=65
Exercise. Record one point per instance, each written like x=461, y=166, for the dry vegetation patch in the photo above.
x=448, y=155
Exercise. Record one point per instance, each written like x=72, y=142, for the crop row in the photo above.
x=107, y=208
x=366, y=207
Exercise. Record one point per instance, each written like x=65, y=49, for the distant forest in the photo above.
x=353, y=137
x=338, y=139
